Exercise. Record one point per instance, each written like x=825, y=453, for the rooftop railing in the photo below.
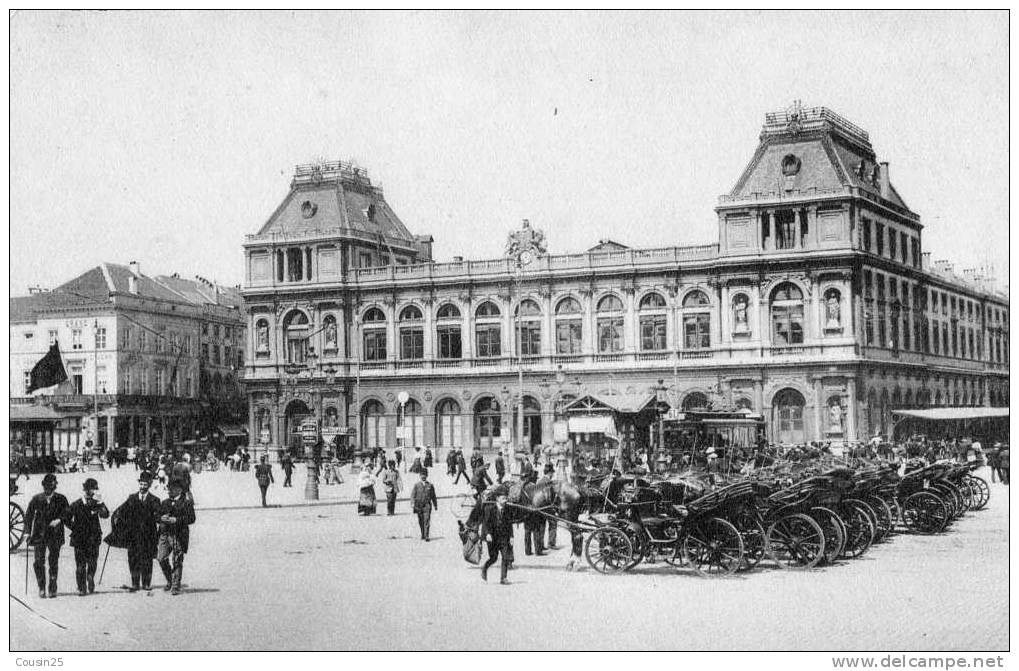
x=810, y=118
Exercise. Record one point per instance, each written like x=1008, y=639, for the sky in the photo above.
x=165, y=138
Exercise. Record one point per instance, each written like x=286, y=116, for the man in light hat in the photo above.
x=137, y=519
x=82, y=518
x=46, y=533
x=176, y=514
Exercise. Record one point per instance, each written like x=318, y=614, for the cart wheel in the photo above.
x=463, y=505
x=924, y=513
x=713, y=547
x=982, y=491
x=608, y=550
x=948, y=498
x=885, y=517
x=17, y=528
x=834, y=529
x=859, y=529
x=795, y=542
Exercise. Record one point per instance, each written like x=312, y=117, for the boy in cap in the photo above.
x=176, y=513
x=46, y=532
x=82, y=518
x=137, y=519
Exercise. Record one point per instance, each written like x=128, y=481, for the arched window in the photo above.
x=412, y=423
x=696, y=321
x=373, y=425
x=528, y=316
x=653, y=322
x=695, y=401
x=329, y=334
x=262, y=337
x=487, y=330
x=610, y=324
x=788, y=422
x=448, y=332
x=448, y=426
x=487, y=423
x=569, y=327
x=787, y=315
x=296, y=327
x=412, y=334
x=448, y=311
x=374, y=335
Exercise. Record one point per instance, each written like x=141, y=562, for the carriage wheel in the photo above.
x=608, y=550
x=949, y=499
x=463, y=505
x=713, y=547
x=859, y=528
x=795, y=542
x=885, y=517
x=834, y=532
x=924, y=512
x=983, y=492
x=17, y=528
x=896, y=509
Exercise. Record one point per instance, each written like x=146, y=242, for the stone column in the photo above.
x=716, y=317
x=429, y=335
x=764, y=322
x=392, y=338
x=590, y=342
x=798, y=228
x=673, y=327
x=286, y=265
x=548, y=326
x=630, y=322
x=759, y=397
x=851, y=409
x=725, y=315
x=253, y=436
x=509, y=335
x=818, y=409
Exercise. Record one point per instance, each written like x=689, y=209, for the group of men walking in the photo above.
x=148, y=527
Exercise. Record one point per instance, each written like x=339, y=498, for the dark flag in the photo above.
x=49, y=371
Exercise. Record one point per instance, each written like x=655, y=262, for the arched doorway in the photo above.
x=487, y=423
x=448, y=424
x=788, y=416
x=296, y=412
x=373, y=425
x=532, y=423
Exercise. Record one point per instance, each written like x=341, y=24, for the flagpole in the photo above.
x=95, y=382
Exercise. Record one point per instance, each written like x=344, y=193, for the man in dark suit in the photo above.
x=46, y=532
x=480, y=480
x=176, y=514
x=135, y=519
x=82, y=518
x=461, y=467
x=287, y=463
x=497, y=530
x=500, y=468
x=423, y=500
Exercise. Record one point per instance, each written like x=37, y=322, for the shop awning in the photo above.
x=948, y=414
x=593, y=424
x=34, y=413
x=232, y=430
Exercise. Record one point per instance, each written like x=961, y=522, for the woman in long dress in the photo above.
x=366, y=483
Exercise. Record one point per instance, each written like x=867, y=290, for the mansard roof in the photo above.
x=334, y=197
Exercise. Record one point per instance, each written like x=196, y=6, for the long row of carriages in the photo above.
x=798, y=521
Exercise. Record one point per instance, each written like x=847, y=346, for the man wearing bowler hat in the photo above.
x=46, y=533
x=176, y=514
x=82, y=518
x=136, y=518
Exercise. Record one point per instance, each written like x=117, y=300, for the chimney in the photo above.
x=132, y=284
x=926, y=265
x=135, y=268
x=886, y=185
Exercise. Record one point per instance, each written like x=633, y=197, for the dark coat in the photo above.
x=500, y=465
x=82, y=518
x=423, y=496
x=134, y=524
x=480, y=477
x=38, y=518
x=496, y=525
x=184, y=512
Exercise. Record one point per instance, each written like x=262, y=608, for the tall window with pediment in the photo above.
x=487, y=330
x=569, y=326
x=448, y=332
x=653, y=321
x=374, y=335
x=412, y=333
x=696, y=321
x=528, y=316
x=787, y=315
x=610, y=324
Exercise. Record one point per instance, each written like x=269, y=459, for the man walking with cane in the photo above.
x=82, y=518
x=176, y=514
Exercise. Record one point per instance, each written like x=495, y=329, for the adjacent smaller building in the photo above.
x=150, y=361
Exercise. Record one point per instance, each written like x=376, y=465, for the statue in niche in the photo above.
x=263, y=337
x=833, y=311
x=835, y=414
x=330, y=335
x=739, y=310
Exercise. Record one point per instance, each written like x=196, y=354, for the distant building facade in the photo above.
x=816, y=309
x=160, y=358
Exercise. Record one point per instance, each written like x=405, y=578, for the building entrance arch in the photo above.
x=296, y=413
x=787, y=417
